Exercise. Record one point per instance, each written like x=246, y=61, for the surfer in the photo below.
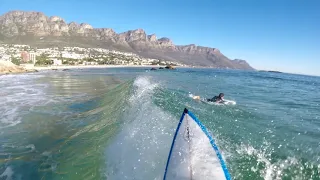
x=217, y=99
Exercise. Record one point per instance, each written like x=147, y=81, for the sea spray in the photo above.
x=139, y=150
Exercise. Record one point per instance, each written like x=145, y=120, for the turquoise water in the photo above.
x=119, y=123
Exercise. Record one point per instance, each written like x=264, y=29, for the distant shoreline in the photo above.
x=39, y=68
x=27, y=68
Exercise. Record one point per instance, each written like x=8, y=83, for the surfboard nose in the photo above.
x=193, y=153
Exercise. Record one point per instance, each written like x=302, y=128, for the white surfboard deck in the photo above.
x=194, y=154
x=225, y=101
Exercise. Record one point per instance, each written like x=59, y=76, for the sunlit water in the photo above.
x=119, y=123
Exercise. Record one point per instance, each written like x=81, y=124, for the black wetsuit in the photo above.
x=214, y=99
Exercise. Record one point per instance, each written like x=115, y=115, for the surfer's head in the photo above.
x=221, y=95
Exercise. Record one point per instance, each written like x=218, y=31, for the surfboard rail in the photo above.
x=208, y=135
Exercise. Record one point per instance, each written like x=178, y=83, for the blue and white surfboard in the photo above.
x=194, y=154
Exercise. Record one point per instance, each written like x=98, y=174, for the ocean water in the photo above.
x=119, y=123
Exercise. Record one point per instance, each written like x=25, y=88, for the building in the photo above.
x=24, y=56
x=56, y=62
x=32, y=57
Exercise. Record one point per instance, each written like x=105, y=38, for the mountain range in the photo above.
x=37, y=29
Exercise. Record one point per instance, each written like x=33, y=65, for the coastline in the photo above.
x=7, y=67
x=29, y=68
x=39, y=68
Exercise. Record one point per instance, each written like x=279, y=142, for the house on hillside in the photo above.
x=5, y=57
x=56, y=62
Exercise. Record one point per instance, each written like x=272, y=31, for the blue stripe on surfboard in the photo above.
x=172, y=145
x=215, y=147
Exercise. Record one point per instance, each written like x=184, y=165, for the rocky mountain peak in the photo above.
x=73, y=24
x=152, y=38
x=240, y=61
x=139, y=31
x=107, y=32
x=34, y=24
x=132, y=35
x=56, y=19
x=86, y=26
x=24, y=17
x=165, y=41
x=23, y=14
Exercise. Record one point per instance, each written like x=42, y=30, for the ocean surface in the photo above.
x=119, y=123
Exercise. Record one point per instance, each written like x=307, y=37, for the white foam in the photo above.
x=143, y=86
x=9, y=117
x=272, y=171
x=18, y=150
x=20, y=94
x=18, y=91
x=226, y=102
x=8, y=172
x=139, y=151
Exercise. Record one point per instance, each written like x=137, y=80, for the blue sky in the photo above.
x=272, y=34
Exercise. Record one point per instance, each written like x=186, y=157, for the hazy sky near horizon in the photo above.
x=279, y=35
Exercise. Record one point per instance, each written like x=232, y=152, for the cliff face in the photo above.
x=36, y=28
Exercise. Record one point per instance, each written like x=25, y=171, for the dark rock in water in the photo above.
x=152, y=69
x=54, y=69
x=270, y=71
x=65, y=69
x=275, y=71
x=170, y=67
x=161, y=68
